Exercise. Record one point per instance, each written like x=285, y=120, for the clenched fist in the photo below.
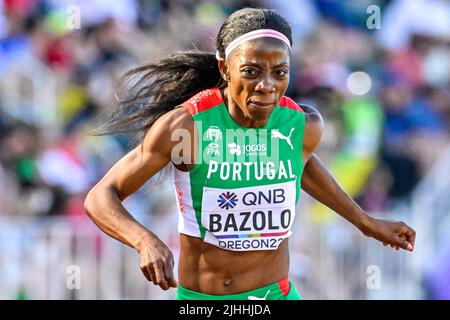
x=157, y=262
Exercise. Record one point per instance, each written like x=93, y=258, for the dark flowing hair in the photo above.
x=162, y=85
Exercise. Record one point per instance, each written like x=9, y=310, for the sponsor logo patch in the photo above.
x=227, y=200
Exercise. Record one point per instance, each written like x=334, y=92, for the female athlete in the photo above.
x=240, y=152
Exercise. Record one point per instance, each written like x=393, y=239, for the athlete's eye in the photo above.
x=249, y=71
x=281, y=73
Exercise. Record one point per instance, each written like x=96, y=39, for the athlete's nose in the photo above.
x=265, y=85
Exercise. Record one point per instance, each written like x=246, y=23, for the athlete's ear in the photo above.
x=223, y=68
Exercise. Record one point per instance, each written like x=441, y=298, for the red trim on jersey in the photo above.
x=289, y=103
x=203, y=100
x=284, y=285
x=179, y=199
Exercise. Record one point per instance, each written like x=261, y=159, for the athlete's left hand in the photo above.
x=394, y=233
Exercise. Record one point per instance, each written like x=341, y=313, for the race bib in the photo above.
x=247, y=219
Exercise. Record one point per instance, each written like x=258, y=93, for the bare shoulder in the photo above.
x=163, y=129
x=178, y=118
x=313, y=129
x=313, y=116
x=173, y=131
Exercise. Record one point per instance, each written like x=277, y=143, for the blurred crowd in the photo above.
x=383, y=89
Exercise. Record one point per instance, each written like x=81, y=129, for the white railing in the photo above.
x=59, y=259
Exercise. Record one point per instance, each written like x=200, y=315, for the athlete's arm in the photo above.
x=104, y=201
x=319, y=183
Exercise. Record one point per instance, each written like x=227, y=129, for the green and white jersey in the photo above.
x=242, y=192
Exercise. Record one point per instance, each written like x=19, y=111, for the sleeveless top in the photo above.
x=243, y=189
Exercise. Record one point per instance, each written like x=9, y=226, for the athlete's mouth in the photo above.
x=261, y=104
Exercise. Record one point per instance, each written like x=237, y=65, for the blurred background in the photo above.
x=379, y=72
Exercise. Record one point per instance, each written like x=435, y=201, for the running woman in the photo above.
x=247, y=151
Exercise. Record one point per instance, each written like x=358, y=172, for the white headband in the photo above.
x=261, y=33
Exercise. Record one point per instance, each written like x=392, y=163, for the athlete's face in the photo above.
x=258, y=73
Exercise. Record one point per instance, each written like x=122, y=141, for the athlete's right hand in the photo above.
x=157, y=262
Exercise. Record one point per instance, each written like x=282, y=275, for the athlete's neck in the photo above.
x=237, y=115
